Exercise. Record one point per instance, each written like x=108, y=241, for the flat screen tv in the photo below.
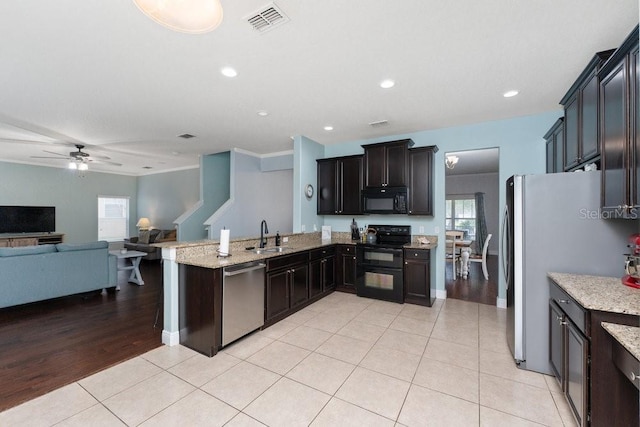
x=27, y=219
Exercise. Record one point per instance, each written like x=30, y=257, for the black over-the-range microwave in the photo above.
x=385, y=200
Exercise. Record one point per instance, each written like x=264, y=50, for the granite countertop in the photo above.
x=203, y=253
x=628, y=336
x=600, y=293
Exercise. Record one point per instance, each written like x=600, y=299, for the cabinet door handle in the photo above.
x=560, y=322
x=634, y=376
x=406, y=263
x=564, y=301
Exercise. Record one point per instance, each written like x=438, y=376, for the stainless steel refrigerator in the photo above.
x=552, y=222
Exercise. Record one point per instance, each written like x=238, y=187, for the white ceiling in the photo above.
x=473, y=162
x=102, y=74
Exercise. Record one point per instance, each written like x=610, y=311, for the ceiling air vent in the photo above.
x=267, y=18
x=379, y=123
x=186, y=136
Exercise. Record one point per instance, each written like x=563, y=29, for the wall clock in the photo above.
x=308, y=191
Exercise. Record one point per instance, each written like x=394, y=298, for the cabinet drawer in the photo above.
x=287, y=261
x=347, y=249
x=626, y=363
x=322, y=252
x=572, y=309
x=416, y=254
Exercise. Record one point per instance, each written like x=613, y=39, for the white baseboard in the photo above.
x=441, y=293
x=170, y=338
x=501, y=302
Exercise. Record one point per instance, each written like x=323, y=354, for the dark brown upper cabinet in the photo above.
x=555, y=147
x=581, y=115
x=385, y=164
x=339, y=185
x=421, y=180
x=619, y=131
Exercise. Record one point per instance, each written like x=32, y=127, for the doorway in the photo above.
x=472, y=193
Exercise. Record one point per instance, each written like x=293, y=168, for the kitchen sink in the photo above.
x=276, y=249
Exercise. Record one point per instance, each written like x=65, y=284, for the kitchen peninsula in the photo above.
x=318, y=272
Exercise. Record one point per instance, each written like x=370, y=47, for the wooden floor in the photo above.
x=475, y=288
x=46, y=345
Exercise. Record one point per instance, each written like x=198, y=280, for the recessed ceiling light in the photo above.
x=328, y=128
x=262, y=113
x=186, y=136
x=510, y=93
x=229, y=72
x=386, y=84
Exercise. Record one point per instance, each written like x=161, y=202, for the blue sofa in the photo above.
x=36, y=273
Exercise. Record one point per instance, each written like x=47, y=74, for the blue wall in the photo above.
x=306, y=151
x=75, y=197
x=215, y=172
x=163, y=197
x=255, y=195
x=522, y=151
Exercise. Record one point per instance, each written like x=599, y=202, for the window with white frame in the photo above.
x=113, y=218
x=460, y=214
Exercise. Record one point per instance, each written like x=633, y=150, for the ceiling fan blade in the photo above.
x=47, y=157
x=57, y=154
x=100, y=157
x=105, y=162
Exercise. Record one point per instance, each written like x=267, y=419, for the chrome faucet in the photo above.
x=263, y=230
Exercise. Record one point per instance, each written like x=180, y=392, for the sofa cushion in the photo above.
x=159, y=236
x=169, y=235
x=143, y=237
x=27, y=250
x=67, y=247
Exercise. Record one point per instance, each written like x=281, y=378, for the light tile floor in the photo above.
x=344, y=360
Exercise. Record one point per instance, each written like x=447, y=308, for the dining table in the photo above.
x=465, y=252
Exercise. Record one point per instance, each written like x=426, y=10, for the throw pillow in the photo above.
x=143, y=237
x=170, y=235
x=159, y=236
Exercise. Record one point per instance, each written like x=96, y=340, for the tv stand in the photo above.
x=30, y=239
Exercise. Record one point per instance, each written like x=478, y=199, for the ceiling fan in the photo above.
x=78, y=159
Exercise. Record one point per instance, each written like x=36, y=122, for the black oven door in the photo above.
x=379, y=273
x=380, y=283
x=379, y=256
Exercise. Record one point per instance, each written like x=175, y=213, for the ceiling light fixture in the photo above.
x=185, y=16
x=510, y=93
x=328, y=128
x=78, y=164
x=387, y=84
x=229, y=72
x=451, y=161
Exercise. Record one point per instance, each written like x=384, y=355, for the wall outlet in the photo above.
x=315, y=228
x=303, y=228
x=436, y=230
x=421, y=228
x=285, y=240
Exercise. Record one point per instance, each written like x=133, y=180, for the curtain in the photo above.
x=481, y=223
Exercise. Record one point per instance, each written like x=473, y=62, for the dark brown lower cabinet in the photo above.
x=580, y=352
x=417, y=277
x=200, y=308
x=322, y=270
x=346, y=268
x=287, y=285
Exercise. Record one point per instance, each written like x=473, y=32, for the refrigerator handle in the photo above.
x=506, y=245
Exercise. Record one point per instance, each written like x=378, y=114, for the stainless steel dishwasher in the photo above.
x=242, y=300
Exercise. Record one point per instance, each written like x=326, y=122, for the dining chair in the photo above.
x=482, y=258
x=453, y=253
